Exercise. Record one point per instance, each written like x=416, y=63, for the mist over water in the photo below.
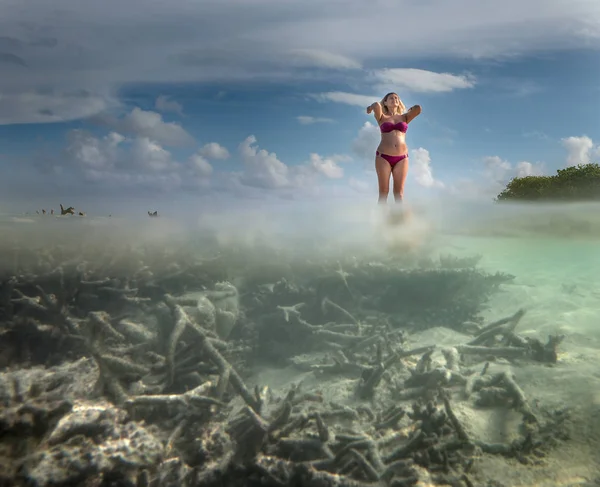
x=361, y=228
x=547, y=247
x=543, y=245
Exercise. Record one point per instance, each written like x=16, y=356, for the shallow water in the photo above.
x=556, y=269
x=552, y=251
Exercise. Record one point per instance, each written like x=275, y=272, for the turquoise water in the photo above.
x=555, y=278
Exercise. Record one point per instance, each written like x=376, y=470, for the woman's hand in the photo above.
x=412, y=113
x=375, y=109
x=372, y=107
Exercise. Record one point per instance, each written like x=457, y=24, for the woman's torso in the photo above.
x=392, y=143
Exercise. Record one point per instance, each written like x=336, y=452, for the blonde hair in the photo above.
x=385, y=109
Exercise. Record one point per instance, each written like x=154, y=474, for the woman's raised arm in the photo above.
x=376, y=109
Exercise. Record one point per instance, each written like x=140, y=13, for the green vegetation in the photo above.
x=575, y=183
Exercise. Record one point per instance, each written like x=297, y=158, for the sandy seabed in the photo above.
x=163, y=353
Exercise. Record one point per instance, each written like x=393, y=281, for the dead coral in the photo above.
x=160, y=394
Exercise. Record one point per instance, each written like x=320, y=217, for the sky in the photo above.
x=146, y=104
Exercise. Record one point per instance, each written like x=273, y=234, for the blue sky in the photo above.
x=136, y=103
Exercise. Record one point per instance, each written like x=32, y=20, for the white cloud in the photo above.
x=329, y=167
x=73, y=45
x=489, y=30
x=50, y=107
x=120, y=162
x=400, y=79
x=165, y=104
x=496, y=168
x=493, y=178
x=323, y=59
x=347, y=98
x=201, y=166
x=420, y=80
x=499, y=171
x=150, y=124
x=114, y=152
x=144, y=123
x=525, y=168
x=89, y=152
x=148, y=155
x=579, y=149
x=420, y=160
x=213, y=150
x=264, y=170
x=117, y=162
x=366, y=142
x=307, y=120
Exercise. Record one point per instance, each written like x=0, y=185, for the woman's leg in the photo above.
x=399, y=173
x=384, y=172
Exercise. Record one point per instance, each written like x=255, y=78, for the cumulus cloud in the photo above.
x=137, y=162
x=145, y=123
x=264, y=170
x=93, y=153
x=201, y=166
x=420, y=80
x=495, y=173
x=525, y=168
x=420, y=162
x=328, y=166
x=213, y=150
x=496, y=168
x=116, y=152
x=366, y=142
x=580, y=150
x=307, y=120
x=165, y=104
x=148, y=155
x=499, y=171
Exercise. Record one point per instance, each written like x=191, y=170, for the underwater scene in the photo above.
x=452, y=345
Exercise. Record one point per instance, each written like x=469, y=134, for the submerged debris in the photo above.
x=134, y=369
x=67, y=211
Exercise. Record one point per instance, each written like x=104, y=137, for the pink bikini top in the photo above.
x=391, y=126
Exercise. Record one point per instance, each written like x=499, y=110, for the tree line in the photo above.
x=574, y=183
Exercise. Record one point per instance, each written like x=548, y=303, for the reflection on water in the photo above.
x=174, y=321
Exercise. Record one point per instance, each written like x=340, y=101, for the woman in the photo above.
x=392, y=154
